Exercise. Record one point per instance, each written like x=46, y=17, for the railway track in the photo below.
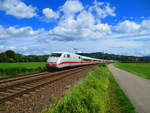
x=10, y=79
x=11, y=88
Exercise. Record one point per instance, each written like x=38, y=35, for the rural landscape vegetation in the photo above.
x=115, y=32
x=13, y=64
x=98, y=92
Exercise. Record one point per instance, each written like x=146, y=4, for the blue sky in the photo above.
x=43, y=26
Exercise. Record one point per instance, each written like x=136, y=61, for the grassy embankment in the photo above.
x=140, y=69
x=97, y=93
x=14, y=69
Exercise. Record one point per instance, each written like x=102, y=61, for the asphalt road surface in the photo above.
x=135, y=87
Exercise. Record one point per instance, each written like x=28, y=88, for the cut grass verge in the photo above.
x=140, y=69
x=97, y=93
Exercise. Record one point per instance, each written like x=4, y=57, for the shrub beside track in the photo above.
x=97, y=93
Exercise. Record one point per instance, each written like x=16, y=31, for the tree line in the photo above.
x=120, y=58
x=11, y=56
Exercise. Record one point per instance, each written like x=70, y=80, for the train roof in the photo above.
x=77, y=55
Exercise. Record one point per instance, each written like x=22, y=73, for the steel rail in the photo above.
x=26, y=81
x=19, y=93
x=32, y=84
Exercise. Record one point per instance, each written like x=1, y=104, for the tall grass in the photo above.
x=97, y=93
x=16, y=69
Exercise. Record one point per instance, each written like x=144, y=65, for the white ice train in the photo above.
x=65, y=59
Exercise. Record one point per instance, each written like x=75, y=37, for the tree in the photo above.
x=3, y=58
x=10, y=54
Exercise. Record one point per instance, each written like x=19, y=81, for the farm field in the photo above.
x=97, y=93
x=140, y=69
x=14, y=69
x=22, y=64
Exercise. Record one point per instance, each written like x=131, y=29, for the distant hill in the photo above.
x=146, y=56
x=121, y=58
x=11, y=56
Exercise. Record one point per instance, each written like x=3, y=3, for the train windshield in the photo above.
x=55, y=54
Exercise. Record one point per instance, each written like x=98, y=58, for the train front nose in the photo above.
x=53, y=60
x=52, y=63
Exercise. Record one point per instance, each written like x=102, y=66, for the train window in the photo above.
x=68, y=55
x=79, y=57
x=55, y=55
x=86, y=59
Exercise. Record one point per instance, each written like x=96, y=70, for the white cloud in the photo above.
x=79, y=25
x=83, y=27
x=127, y=27
x=17, y=8
x=13, y=32
x=133, y=27
x=82, y=22
x=1, y=47
x=102, y=9
x=85, y=19
x=145, y=25
x=49, y=13
x=72, y=6
x=85, y=24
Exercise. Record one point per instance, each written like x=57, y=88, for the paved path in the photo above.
x=135, y=87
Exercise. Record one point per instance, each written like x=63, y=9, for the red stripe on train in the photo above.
x=70, y=62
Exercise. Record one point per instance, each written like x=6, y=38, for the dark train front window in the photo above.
x=55, y=55
x=68, y=55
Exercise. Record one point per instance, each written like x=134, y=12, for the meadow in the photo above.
x=140, y=69
x=97, y=93
x=16, y=69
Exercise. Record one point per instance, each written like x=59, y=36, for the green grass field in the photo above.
x=22, y=64
x=97, y=93
x=14, y=69
x=140, y=69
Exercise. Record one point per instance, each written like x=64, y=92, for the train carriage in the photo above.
x=66, y=59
